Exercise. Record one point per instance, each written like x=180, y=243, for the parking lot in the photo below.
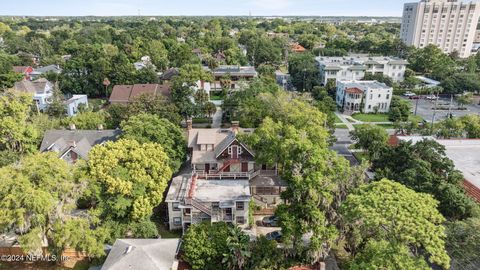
x=425, y=108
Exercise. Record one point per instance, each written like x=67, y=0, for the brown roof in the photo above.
x=20, y=69
x=126, y=93
x=121, y=94
x=354, y=90
x=297, y=48
x=32, y=87
x=472, y=190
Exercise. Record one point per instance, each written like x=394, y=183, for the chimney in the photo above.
x=235, y=126
x=323, y=266
x=72, y=126
x=100, y=127
x=189, y=124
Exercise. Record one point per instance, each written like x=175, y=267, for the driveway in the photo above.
x=425, y=109
x=217, y=118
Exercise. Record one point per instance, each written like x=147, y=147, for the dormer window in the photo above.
x=234, y=151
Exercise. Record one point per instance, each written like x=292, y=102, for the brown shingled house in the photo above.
x=124, y=94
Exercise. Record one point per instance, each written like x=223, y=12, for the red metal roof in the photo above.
x=126, y=93
x=354, y=90
x=472, y=190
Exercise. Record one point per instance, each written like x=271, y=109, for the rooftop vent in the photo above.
x=128, y=250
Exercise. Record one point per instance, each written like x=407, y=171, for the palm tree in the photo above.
x=238, y=244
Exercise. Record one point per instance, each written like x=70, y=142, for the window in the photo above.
x=215, y=205
x=379, y=95
x=175, y=206
x=240, y=205
x=369, y=106
x=240, y=220
x=177, y=221
x=388, y=96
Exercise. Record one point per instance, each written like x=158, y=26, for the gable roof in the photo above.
x=78, y=141
x=126, y=93
x=32, y=87
x=354, y=90
x=169, y=74
x=21, y=69
x=145, y=254
x=49, y=68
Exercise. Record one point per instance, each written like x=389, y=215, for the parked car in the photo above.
x=275, y=235
x=409, y=94
x=270, y=221
x=431, y=97
x=414, y=97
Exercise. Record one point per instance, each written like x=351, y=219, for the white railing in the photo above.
x=234, y=175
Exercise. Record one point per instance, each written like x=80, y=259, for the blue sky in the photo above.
x=203, y=7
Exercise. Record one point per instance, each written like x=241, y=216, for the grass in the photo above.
x=337, y=120
x=165, y=233
x=216, y=96
x=341, y=126
x=371, y=117
x=385, y=126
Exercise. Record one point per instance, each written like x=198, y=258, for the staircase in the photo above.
x=228, y=163
x=201, y=206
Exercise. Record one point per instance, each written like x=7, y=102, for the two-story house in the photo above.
x=364, y=96
x=41, y=89
x=224, y=178
x=354, y=67
x=231, y=77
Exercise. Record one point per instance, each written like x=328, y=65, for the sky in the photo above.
x=203, y=7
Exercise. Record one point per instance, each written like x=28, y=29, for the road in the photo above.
x=342, y=144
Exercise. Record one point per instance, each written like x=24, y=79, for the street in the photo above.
x=425, y=109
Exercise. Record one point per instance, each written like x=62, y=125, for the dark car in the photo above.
x=414, y=97
x=270, y=221
x=275, y=235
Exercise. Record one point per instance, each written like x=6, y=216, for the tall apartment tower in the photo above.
x=449, y=24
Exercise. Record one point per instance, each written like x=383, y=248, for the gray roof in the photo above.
x=32, y=87
x=142, y=254
x=235, y=71
x=46, y=69
x=79, y=141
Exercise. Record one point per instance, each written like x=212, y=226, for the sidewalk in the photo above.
x=345, y=121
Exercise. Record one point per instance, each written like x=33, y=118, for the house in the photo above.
x=25, y=70
x=364, y=96
x=465, y=154
x=354, y=67
x=44, y=70
x=282, y=78
x=41, y=89
x=145, y=62
x=73, y=103
x=125, y=94
x=232, y=77
x=427, y=82
x=74, y=144
x=224, y=178
x=169, y=74
x=297, y=48
x=145, y=254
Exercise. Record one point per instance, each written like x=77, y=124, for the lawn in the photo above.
x=341, y=126
x=216, y=96
x=165, y=233
x=385, y=126
x=371, y=117
x=337, y=120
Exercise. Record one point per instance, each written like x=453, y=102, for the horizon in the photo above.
x=208, y=8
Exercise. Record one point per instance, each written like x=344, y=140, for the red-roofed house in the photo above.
x=25, y=70
x=124, y=94
x=295, y=47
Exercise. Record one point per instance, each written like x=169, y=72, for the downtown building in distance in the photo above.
x=449, y=24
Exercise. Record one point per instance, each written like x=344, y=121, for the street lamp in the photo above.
x=106, y=83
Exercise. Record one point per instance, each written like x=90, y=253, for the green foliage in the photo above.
x=463, y=241
x=371, y=138
x=399, y=217
x=86, y=120
x=129, y=178
x=459, y=83
x=17, y=134
x=304, y=71
x=399, y=110
x=431, y=61
x=424, y=167
x=147, y=128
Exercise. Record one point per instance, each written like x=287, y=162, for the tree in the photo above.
x=129, y=177
x=465, y=99
x=399, y=110
x=265, y=255
x=432, y=61
x=371, y=138
x=472, y=126
x=86, y=120
x=156, y=105
x=304, y=71
x=463, y=242
x=17, y=134
x=36, y=199
x=424, y=167
x=383, y=211
x=147, y=128
x=238, y=249
x=205, y=244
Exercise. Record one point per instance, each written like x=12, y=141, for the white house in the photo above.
x=74, y=102
x=41, y=89
x=364, y=96
x=354, y=67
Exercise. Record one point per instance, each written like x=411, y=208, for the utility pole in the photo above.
x=434, y=112
x=304, y=78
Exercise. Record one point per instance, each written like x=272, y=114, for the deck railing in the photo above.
x=233, y=175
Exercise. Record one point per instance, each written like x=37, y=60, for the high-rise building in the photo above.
x=449, y=24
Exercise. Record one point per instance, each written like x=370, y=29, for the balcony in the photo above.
x=214, y=175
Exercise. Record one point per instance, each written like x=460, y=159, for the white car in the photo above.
x=409, y=94
x=431, y=97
